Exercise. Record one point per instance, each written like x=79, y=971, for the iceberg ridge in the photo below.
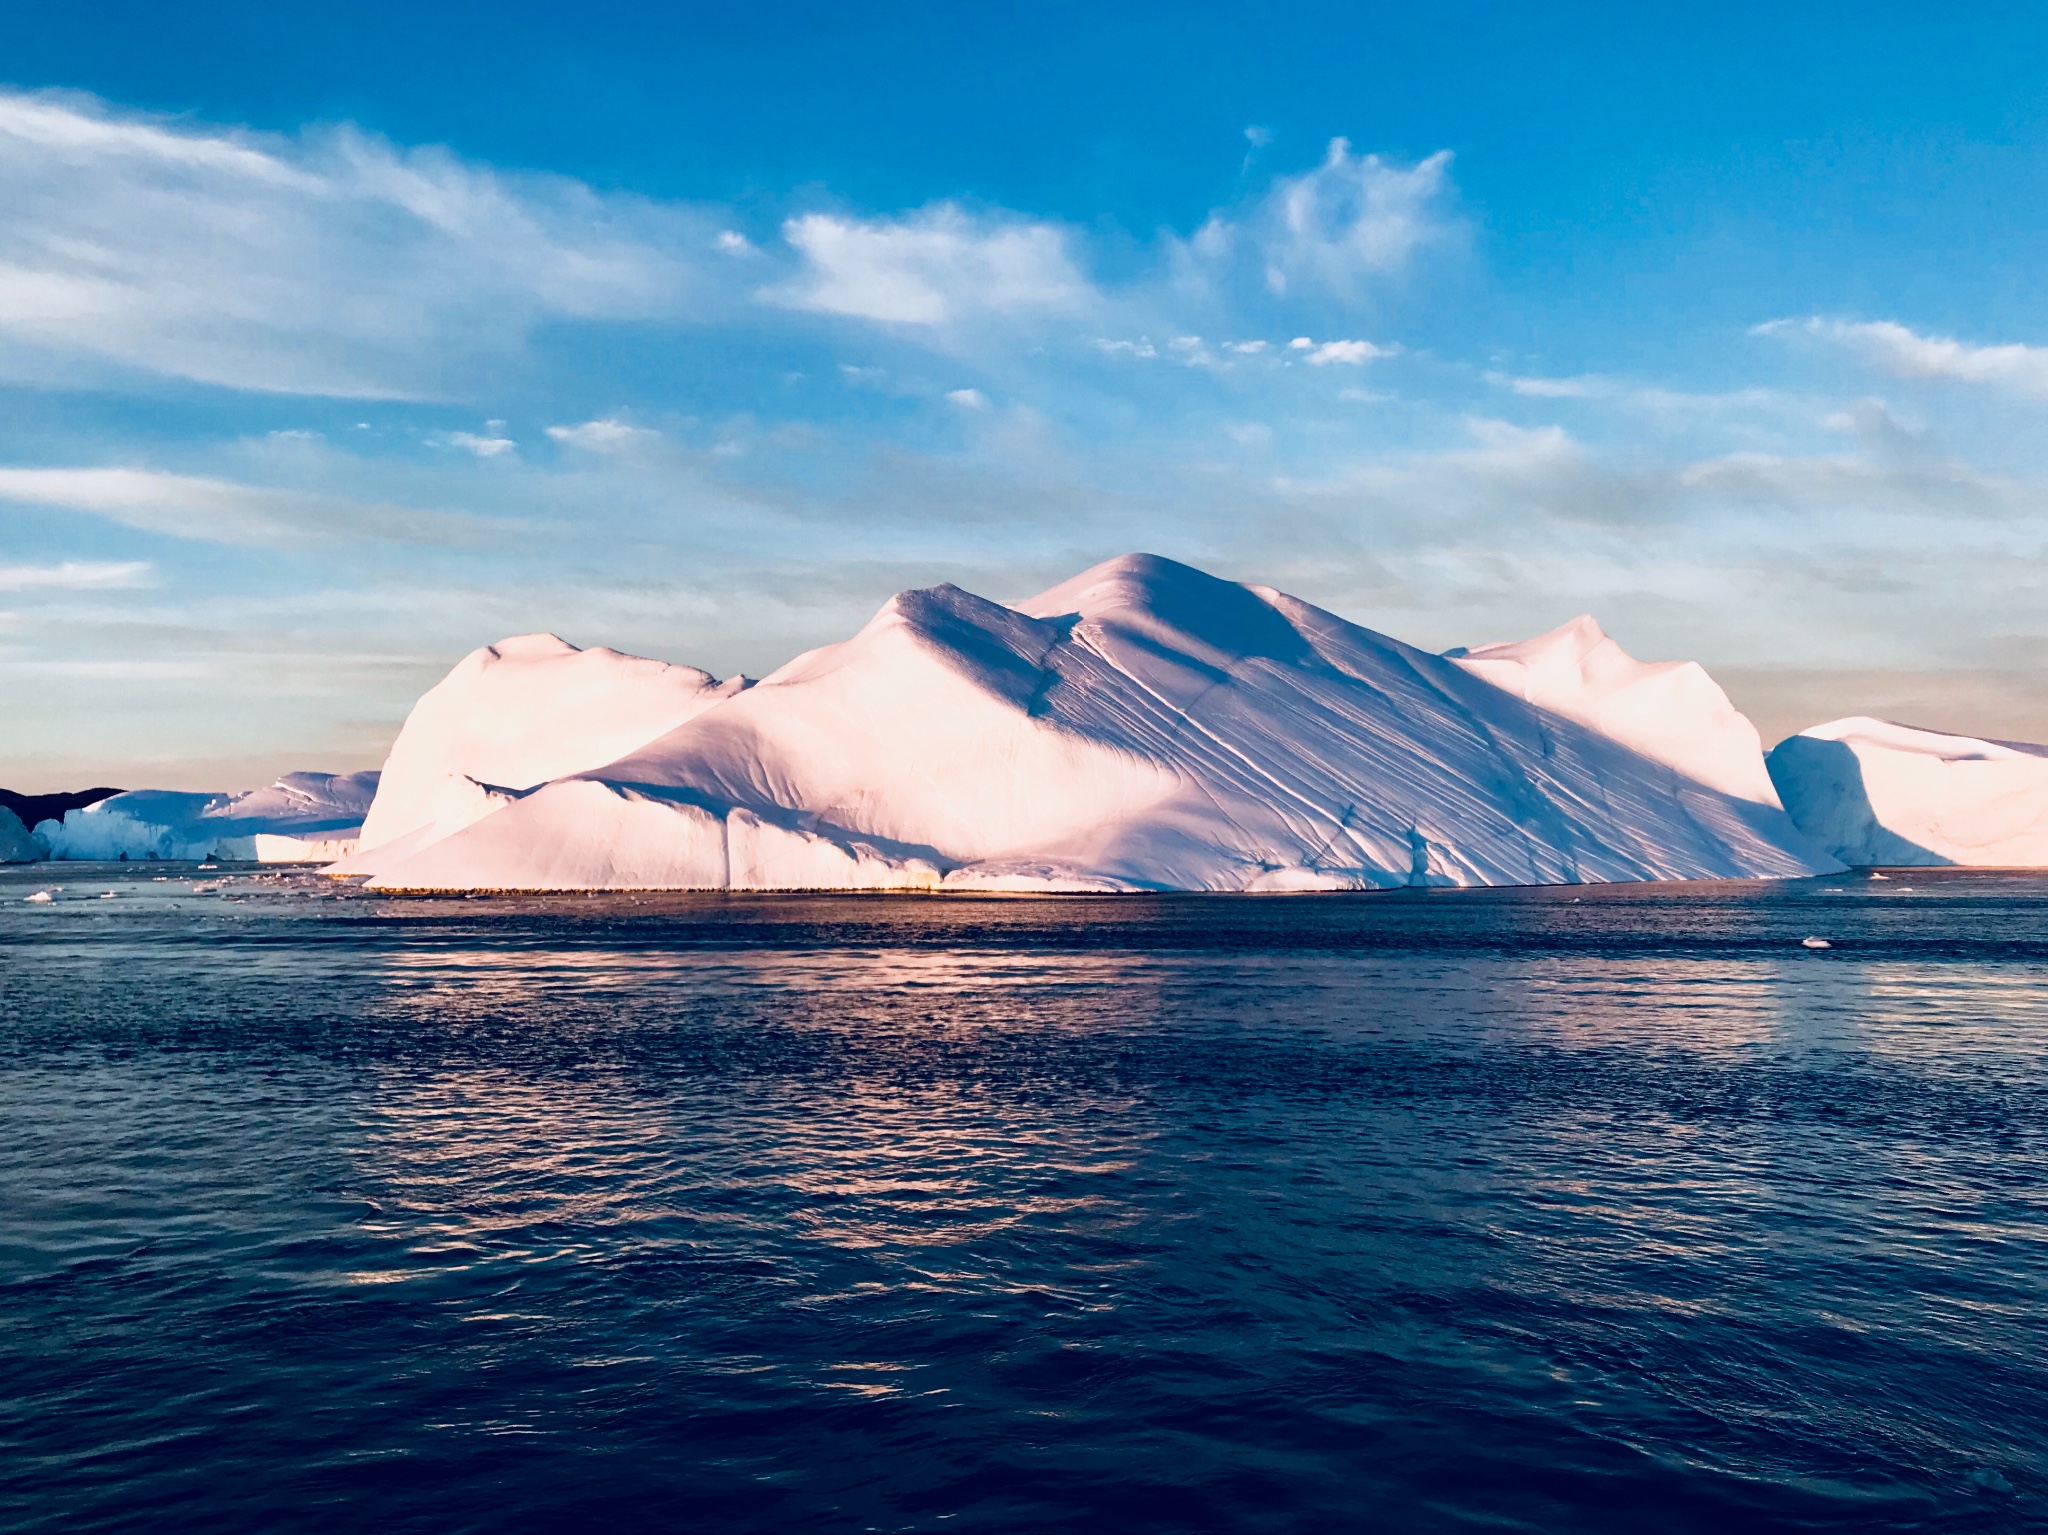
x=1143, y=726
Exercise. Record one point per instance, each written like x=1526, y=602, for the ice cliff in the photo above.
x=16, y=846
x=1875, y=793
x=1141, y=727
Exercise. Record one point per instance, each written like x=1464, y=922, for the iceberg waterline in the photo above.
x=1143, y=726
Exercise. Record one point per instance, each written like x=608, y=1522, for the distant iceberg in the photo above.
x=16, y=845
x=1873, y=793
x=302, y=818
x=1140, y=727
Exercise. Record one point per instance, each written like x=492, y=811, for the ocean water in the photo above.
x=1598, y=1209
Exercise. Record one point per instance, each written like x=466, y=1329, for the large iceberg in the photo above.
x=302, y=818
x=1873, y=793
x=1141, y=727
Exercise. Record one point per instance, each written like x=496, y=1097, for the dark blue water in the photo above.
x=1608, y=1209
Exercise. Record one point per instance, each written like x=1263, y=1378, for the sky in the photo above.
x=335, y=345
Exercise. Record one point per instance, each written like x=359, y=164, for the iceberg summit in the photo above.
x=1141, y=727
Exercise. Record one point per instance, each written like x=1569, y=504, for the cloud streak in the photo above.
x=938, y=266
x=75, y=576
x=220, y=511
x=604, y=436
x=1904, y=353
x=328, y=263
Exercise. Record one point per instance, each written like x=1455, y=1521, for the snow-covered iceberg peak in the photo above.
x=1143, y=726
x=1876, y=793
x=1670, y=711
x=516, y=714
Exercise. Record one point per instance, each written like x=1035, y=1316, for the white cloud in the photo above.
x=483, y=446
x=220, y=511
x=733, y=243
x=75, y=576
x=1552, y=388
x=968, y=399
x=1354, y=352
x=1351, y=219
x=329, y=263
x=603, y=436
x=1905, y=353
x=937, y=266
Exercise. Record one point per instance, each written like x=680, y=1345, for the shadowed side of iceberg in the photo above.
x=16, y=844
x=1877, y=793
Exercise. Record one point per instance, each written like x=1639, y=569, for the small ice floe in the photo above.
x=108, y=895
x=41, y=897
x=1815, y=943
x=1875, y=875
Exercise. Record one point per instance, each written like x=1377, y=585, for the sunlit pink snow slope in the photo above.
x=1143, y=726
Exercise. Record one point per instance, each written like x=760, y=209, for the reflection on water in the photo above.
x=1612, y=1209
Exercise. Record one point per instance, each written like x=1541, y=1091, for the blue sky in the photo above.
x=332, y=347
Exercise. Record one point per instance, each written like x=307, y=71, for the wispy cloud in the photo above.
x=487, y=444
x=1581, y=388
x=936, y=266
x=328, y=263
x=1904, y=353
x=604, y=436
x=220, y=511
x=1335, y=232
x=116, y=671
x=1321, y=354
x=75, y=576
x=1350, y=218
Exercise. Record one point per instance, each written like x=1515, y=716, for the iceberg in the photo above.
x=16, y=845
x=1877, y=794
x=1670, y=711
x=302, y=818
x=515, y=715
x=1141, y=727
